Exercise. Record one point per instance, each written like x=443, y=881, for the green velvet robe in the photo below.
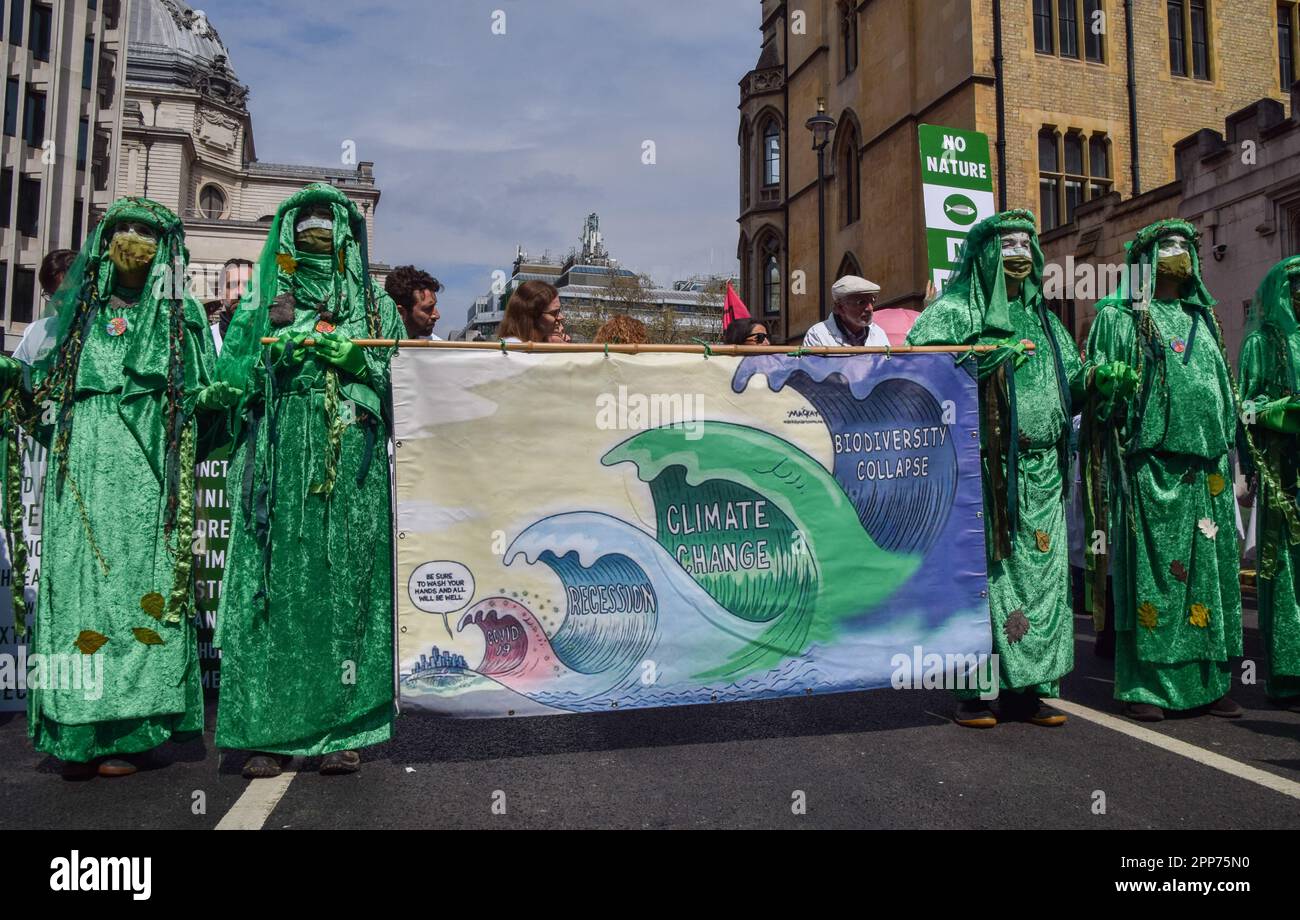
x=306, y=631
x=1030, y=602
x=1174, y=551
x=1268, y=357
x=107, y=565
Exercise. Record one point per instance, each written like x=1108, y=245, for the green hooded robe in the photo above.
x=1160, y=485
x=1270, y=370
x=113, y=392
x=1025, y=432
x=305, y=624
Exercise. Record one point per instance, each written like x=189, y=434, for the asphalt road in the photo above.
x=883, y=759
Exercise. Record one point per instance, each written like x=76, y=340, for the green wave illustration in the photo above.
x=719, y=496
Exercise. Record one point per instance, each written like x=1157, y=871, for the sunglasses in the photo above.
x=758, y=338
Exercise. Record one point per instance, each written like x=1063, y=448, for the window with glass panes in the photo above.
x=1286, y=44
x=1073, y=168
x=772, y=154
x=1070, y=29
x=1189, y=38
x=849, y=35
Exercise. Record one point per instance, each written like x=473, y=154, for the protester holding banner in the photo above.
x=995, y=298
x=124, y=366
x=1160, y=484
x=850, y=323
x=305, y=623
x=1270, y=390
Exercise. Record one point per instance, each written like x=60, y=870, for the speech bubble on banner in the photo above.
x=441, y=588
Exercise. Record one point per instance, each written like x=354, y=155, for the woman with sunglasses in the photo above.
x=533, y=314
x=746, y=332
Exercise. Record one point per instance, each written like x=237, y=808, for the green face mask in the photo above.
x=132, y=253
x=1017, y=259
x=315, y=232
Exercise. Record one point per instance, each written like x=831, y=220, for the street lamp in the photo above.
x=821, y=125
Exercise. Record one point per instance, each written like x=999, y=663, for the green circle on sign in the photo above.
x=960, y=210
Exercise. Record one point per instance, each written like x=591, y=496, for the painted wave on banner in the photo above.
x=761, y=574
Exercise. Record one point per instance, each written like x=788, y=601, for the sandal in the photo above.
x=340, y=763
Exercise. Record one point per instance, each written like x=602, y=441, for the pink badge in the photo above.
x=117, y=326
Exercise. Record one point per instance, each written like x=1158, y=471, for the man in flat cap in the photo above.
x=850, y=324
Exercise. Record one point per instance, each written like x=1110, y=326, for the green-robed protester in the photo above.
x=305, y=625
x=1159, y=484
x=124, y=362
x=995, y=298
x=1270, y=393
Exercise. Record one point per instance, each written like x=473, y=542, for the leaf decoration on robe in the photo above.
x=1016, y=627
x=288, y=264
x=1179, y=571
x=1148, y=616
x=1209, y=528
x=147, y=637
x=1200, y=616
x=153, y=604
x=89, y=642
x=1217, y=484
x=1044, y=541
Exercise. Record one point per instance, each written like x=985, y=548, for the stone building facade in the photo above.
x=1058, y=71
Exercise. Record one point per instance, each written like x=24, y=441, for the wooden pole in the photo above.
x=589, y=348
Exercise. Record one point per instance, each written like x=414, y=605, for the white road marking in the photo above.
x=1208, y=758
x=257, y=803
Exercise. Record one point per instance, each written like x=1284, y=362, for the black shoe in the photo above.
x=1047, y=717
x=340, y=763
x=1226, y=708
x=1289, y=703
x=77, y=772
x=974, y=714
x=264, y=766
x=1144, y=712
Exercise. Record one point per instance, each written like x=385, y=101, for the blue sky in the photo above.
x=483, y=141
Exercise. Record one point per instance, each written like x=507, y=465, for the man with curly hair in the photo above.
x=416, y=294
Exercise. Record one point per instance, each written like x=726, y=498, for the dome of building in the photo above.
x=171, y=44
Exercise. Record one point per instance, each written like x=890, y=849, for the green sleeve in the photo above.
x=1253, y=368
x=945, y=322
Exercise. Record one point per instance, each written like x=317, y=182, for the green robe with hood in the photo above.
x=305, y=624
x=1025, y=432
x=1159, y=483
x=1270, y=370
x=114, y=391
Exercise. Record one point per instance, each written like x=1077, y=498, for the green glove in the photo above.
x=1116, y=379
x=219, y=396
x=1280, y=415
x=342, y=353
x=299, y=351
x=1022, y=348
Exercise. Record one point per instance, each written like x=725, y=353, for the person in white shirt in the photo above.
x=416, y=294
x=850, y=324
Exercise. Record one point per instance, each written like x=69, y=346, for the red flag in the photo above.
x=735, y=308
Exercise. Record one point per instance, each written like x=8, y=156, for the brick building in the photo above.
x=1076, y=82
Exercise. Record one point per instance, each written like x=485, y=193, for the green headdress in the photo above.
x=340, y=287
x=1272, y=314
x=161, y=370
x=980, y=283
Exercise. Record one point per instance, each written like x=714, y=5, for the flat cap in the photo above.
x=852, y=284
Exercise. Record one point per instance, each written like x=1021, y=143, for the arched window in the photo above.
x=848, y=171
x=743, y=257
x=771, y=153
x=849, y=36
x=212, y=202
x=770, y=274
x=848, y=266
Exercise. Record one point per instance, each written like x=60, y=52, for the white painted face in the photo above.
x=1015, y=245
x=1172, y=246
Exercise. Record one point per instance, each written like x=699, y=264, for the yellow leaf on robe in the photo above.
x=1200, y=616
x=148, y=637
x=89, y=642
x=1148, y=616
x=153, y=604
x=1216, y=484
